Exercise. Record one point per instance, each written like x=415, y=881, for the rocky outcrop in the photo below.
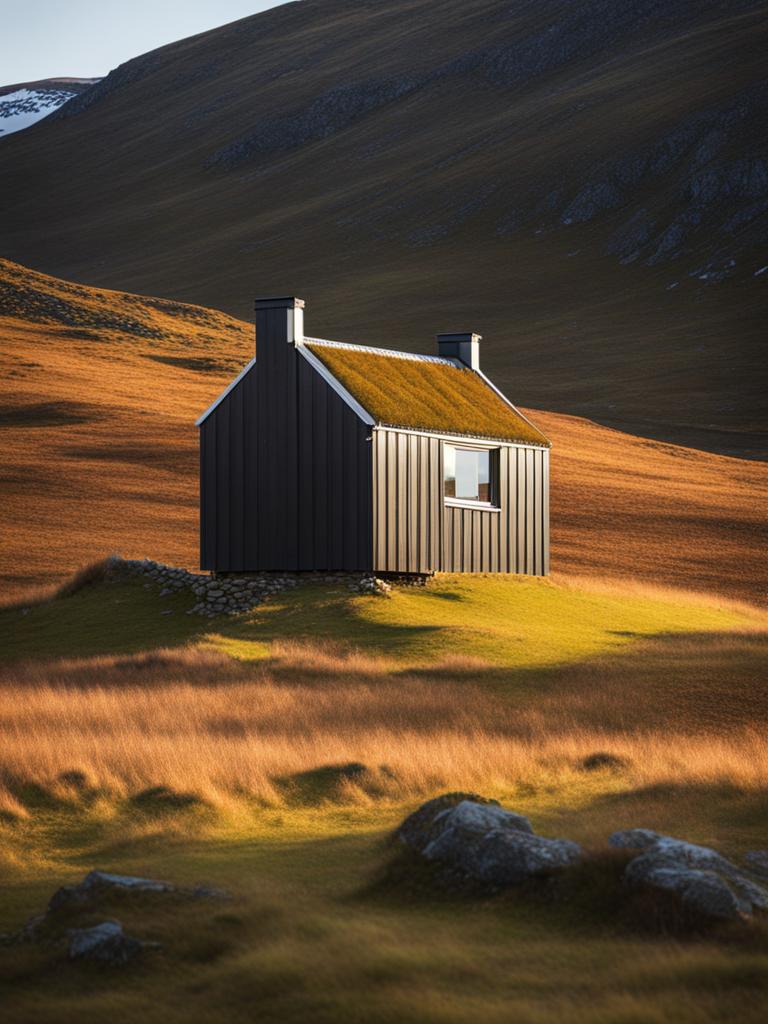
x=486, y=844
x=705, y=881
x=469, y=839
x=329, y=113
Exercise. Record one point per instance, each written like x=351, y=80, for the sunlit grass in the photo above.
x=135, y=741
x=470, y=682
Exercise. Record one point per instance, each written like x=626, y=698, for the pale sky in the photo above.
x=87, y=38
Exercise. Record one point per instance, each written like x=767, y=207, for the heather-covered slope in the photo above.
x=586, y=185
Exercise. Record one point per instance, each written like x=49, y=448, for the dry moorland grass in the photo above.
x=677, y=711
x=100, y=453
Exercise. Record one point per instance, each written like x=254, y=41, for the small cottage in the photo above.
x=327, y=456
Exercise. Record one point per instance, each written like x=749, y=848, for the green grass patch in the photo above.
x=513, y=622
x=306, y=937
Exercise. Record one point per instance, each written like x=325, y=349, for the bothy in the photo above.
x=327, y=456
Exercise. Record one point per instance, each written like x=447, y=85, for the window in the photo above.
x=469, y=473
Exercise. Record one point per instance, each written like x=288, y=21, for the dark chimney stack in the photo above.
x=462, y=346
x=280, y=321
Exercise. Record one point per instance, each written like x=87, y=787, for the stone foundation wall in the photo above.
x=228, y=594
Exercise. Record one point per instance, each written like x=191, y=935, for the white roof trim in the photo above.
x=233, y=384
x=320, y=367
x=415, y=356
x=504, y=398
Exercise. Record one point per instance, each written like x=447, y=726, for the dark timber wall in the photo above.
x=415, y=531
x=285, y=469
x=292, y=479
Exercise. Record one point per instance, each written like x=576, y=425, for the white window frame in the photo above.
x=494, y=452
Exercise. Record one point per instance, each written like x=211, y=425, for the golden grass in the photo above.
x=198, y=722
x=100, y=455
x=426, y=396
x=97, y=423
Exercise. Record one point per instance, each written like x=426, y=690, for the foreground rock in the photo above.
x=484, y=843
x=757, y=861
x=705, y=881
x=105, y=943
x=100, y=883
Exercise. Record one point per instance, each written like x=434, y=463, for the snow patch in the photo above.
x=20, y=109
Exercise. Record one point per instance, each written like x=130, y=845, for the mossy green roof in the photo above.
x=425, y=394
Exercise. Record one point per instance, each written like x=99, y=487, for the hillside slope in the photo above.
x=100, y=452
x=585, y=185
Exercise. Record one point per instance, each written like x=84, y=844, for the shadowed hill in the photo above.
x=585, y=185
x=100, y=452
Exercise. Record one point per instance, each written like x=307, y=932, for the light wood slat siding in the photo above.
x=415, y=531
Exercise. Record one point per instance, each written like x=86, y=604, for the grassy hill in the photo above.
x=585, y=186
x=245, y=754
x=102, y=389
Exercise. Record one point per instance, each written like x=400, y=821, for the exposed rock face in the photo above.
x=484, y=843
x=705, y=880
x=106, y=943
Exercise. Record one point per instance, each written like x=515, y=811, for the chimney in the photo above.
x=280, y=321
x=462, y=346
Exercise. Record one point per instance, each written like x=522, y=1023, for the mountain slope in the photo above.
x=587, y=186
x=100, y=452
x=23, y=105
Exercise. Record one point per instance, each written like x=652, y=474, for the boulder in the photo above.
x=704, y=880
x=634, y=838
x=100, y=883
x=757, y=861
x=106, y=943
x=493, y=846
x=420, y=828
x=479, y=841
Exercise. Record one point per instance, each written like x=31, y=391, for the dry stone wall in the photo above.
x=232, y=595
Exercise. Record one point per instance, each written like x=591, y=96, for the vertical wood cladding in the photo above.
x=292, y=479
x=228, y=481
x=415, y=531
x=285, y=472
x=334, y=479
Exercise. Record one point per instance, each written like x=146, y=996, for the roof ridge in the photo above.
x=394, y=353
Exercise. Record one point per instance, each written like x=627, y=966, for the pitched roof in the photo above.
x=424, y=393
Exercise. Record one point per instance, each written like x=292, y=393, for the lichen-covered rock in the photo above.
x=419, y=828
x=106, y=943
x=757, y=861
x=495, y=847
x=703, y=891
x=479, y=841
x=704, y=880
x=99, y=883
x=634, y=838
